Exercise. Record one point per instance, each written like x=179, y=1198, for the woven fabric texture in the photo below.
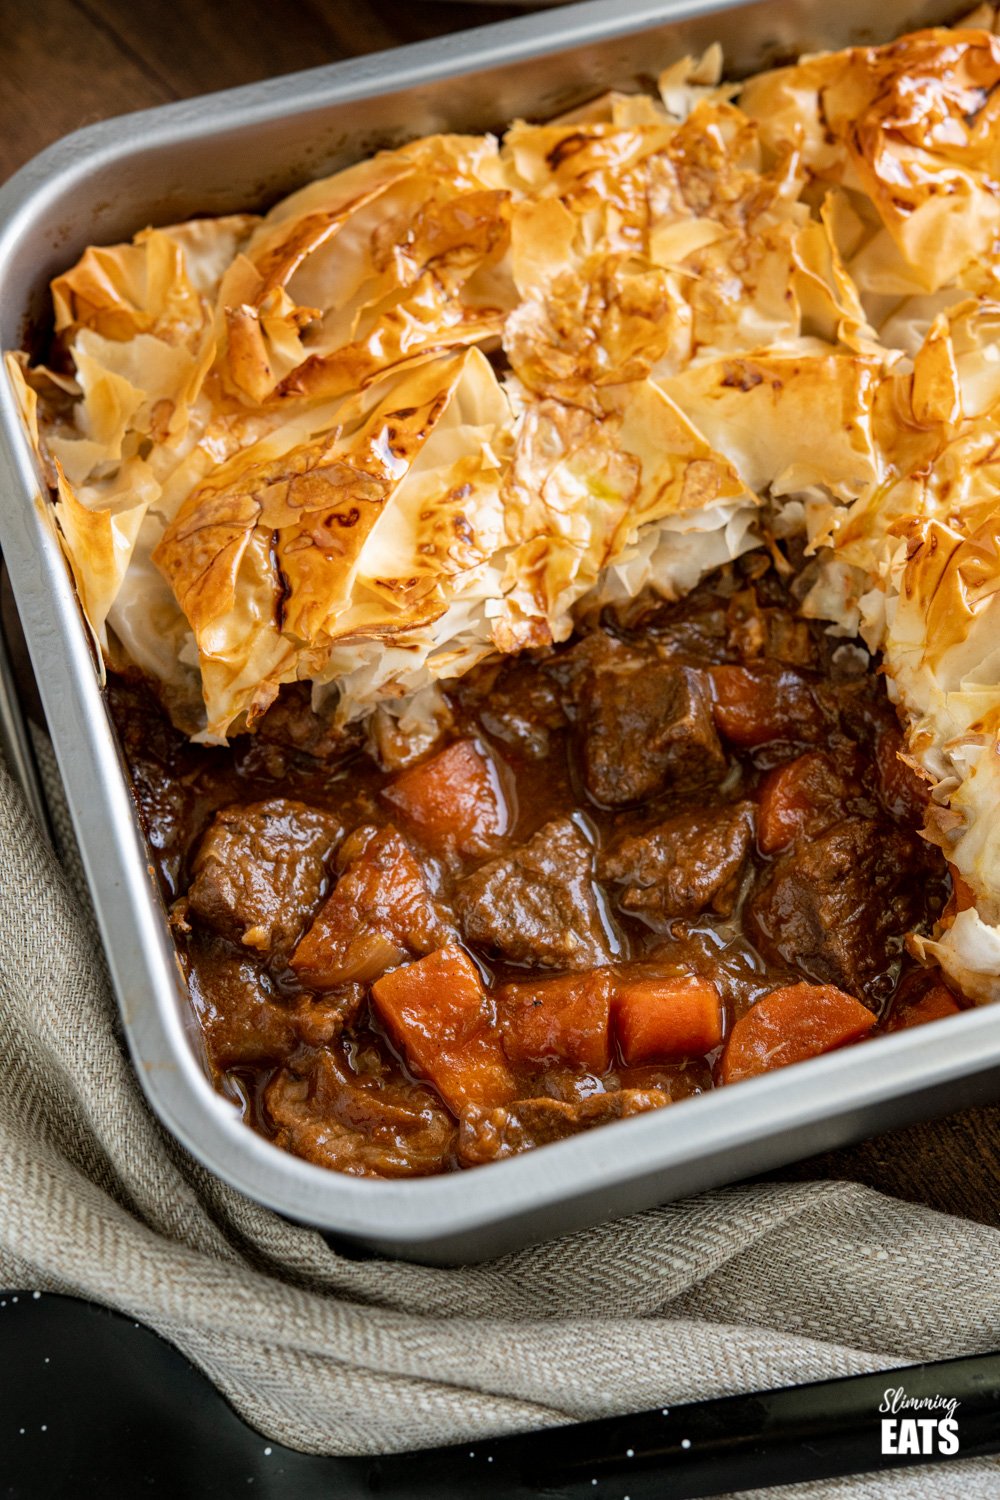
x=736, y=1290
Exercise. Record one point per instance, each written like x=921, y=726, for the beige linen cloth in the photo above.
x=735, y=1290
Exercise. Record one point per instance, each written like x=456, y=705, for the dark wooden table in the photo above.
x=69, y=62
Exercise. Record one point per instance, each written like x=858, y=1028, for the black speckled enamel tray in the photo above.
x=94, y=1404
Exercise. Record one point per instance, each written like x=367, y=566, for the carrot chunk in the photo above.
x=566, y=1018
x=666, y=1018
x=934, y=1004
x=439, y=1016
x=454, y=802
x=791, y=1024
x=801, y=796
x=754, y=705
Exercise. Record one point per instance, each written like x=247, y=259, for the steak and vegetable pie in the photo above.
x=548, y=590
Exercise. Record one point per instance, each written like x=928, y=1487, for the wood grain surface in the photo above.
x=69, y=62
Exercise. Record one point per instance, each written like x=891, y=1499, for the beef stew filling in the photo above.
x=678, y=851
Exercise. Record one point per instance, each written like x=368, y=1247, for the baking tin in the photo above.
x=136, y=1416
x=242, y=149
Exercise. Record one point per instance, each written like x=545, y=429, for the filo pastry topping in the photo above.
x=434, y=406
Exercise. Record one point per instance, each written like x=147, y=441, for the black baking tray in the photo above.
x=95, y=1404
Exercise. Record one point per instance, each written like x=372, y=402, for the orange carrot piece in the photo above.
x=567, y=1018
x=789, y=1025
x=796, y=798
x=754, y=705
x=659, y=1019
x=454, y=801
x=438, y=1015
x=936, y=1002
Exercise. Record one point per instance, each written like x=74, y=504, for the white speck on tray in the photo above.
x=35, y=1296
x=630, y=1453
x=685, y=1442
x=267, y=1452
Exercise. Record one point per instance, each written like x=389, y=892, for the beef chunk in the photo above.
x=243, y=1019
x=746, y=625
x=491, y=1134
x=682, y=866
x=380, y=910
x=754, y=631
x=700, y=636
x=261, y=870
x=367, y=1124
x=789, y=639
x=516, y=702
x=398, y=740
x=246, y=1021
x=573, y=666
x=647, y=725
x=835, y=907
x=318, y=1019
x=693, y=627
x=905, y=793
x=292, y=723
x=682, y=1080
x=537, y=905
x=173, y=781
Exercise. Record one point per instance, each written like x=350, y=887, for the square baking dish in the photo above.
x=242, y=149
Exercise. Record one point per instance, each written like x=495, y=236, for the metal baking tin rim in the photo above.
x=695, y=1144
